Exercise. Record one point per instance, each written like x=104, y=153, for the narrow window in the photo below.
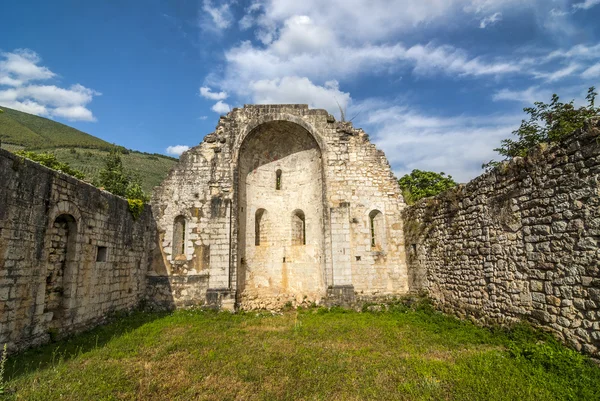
x=298, y=228
x=260, y=232
x=101, y=254
x=179, y=236
x=376, y=228
x=278, y=180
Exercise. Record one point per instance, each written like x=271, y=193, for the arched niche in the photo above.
x=61, y=268
x=277, y=266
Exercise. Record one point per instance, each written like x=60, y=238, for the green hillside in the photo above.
x=82, y=151
x=35, y=132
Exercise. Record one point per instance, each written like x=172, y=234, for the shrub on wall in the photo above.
x=49, y=160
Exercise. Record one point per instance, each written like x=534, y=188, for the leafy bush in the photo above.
x=421, y=184
x=548, y=123
x=49, y=160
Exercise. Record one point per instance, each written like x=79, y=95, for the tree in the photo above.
x=116, y=180
x=547, y=123
x=420, y=184
x=113, y=177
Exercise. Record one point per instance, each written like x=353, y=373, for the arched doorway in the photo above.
x=280, y=198
x=61, y=258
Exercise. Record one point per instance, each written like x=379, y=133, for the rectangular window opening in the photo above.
x=101, y=254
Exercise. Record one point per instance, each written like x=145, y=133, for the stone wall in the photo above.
x=518, y=242
x=70, y=254
x=331, y=173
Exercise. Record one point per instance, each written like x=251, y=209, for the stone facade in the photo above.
x=70, y=254
x=518, y=242
x=278, y=205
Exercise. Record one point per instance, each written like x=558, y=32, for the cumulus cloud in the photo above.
x=300, y=90
x=20, y=69
x=221, y=107
x=177, y=150
x=491, y=20
x=207, y=93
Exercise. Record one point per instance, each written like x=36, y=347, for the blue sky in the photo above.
x=436, y=83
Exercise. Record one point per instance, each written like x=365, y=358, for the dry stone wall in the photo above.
x=518, y=242
x=70, y=254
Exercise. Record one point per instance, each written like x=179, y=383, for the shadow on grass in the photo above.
x=49, y=355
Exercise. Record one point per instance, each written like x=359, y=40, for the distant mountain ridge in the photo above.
x=85, y=152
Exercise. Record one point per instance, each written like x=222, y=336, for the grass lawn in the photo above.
x=401, y=354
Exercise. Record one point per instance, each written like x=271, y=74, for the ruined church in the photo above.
x=284, y=205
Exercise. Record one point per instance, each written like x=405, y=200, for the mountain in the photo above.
x=82, y=151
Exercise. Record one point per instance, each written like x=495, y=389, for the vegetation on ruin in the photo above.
x=83, y=152
x=421, y=184
x=406, y=352
x=2, y=367
x=547, y=123
x=49, y=160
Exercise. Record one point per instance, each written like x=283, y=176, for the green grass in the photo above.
x=315, y=354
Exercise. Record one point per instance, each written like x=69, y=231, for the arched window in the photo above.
x=260, y=229
x=298, y=228
x=179, y=236
x=376, y=229
x=278, y=180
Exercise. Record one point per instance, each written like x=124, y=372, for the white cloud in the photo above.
x=54, y=96
x=216, y=17
x=528, y=96
x=18, y=71
x=207, y=93
x=177, y=150
x=558, y=74
x=20, y=67
x=580, y=52
x=456, y=145
x=491, y=20
x=220, y=107
x=27, y=106
x=592, y=72
x=586, y=5
x=300, y=90
x=374, y=20
x=74, y=113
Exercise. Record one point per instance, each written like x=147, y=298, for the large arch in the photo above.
x=276, y=268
